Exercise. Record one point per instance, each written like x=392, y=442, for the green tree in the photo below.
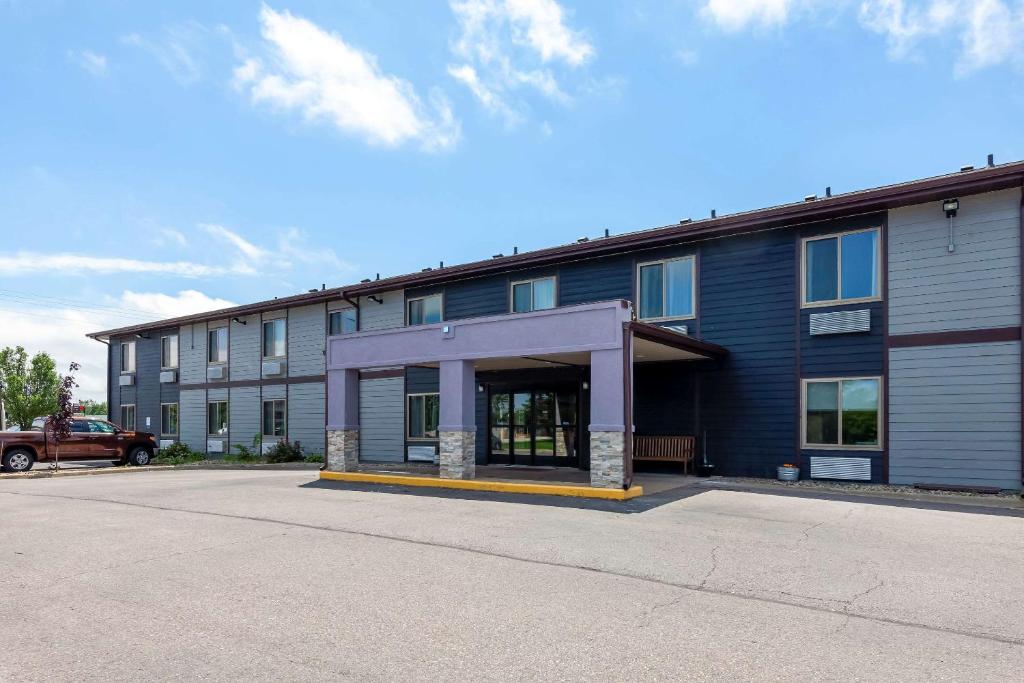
x=90, y=407
x=28, y=387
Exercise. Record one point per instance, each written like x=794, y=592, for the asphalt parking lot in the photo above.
x=267, y=575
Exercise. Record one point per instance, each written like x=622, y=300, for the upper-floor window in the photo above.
x=274, y=338
x=343, y=321
x=274, y=418
x=424, y=310
x=128, y=356
x=423, y=414
x=169, y=419
x=533, y=295
x=169, y=351
x=666, y=288
x=842, y=413
x=218, y=350
x=841, y=268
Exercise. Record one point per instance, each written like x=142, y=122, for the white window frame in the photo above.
x=177, y=407
x=341, y=312
x=263, y=414
x=408, y=303
x=227, y=345
x=838, y=236
x=263, y=337
x=664, y=283
x=227, y=414
x=408, y=421
x=177, y=356
x=840, y=446
x=131, y=355
x=124, y=426
x=531, y=282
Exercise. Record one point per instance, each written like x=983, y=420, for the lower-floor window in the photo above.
x=217, y=417
x=424, y=411
x=128, y=417
x=273, y=418
x=169, y=419
x=842, y=413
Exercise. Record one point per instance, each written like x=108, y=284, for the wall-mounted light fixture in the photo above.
x=239, y=321
x=142, y=335
x=950, y=206
x=480, y=388
x=586, y=385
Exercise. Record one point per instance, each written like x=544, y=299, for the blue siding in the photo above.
x=664, y=397
x=595, y=280
x=748, y=305
x=838, y=355
x=475, y=298
x=147, y=380
x=422, y=380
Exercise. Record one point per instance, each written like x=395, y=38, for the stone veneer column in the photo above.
x=458, y=420
x=607, y=419
x=342, y=420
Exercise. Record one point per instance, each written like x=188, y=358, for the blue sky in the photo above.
x=158, y=160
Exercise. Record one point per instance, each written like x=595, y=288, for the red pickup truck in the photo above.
x=89, y=440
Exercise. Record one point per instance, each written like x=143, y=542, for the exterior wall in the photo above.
x=307, y=416
x=976, y=286
x=307, y=334
x=375, y=316
x=245, y=349
x=192, y=415
x=596, y=280
x=192, y=354
x=475, y=298
x=954, y=415
x=382, y=419
x=244, y=415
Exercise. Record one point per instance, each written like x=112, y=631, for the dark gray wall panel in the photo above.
x=595, y=280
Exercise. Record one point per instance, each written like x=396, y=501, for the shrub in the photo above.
x=315, y=457
x=285, y=451
x=177, y=453
x=246, y=453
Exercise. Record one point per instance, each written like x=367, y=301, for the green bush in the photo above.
x=246, y=453
x=285, y=451
x=177, y=454
x=315, y=457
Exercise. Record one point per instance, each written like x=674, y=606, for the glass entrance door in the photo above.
x=534, y=427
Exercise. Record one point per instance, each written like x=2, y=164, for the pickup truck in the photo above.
x=89, y=440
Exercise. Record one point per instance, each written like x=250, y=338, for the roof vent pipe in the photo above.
x=606, y=233
x=440, y=264
x=515, y=250
x=828, y=191
x=714, y=214
x=378, y=276
x=991, y=160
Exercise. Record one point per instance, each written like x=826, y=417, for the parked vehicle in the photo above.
x=89, y=440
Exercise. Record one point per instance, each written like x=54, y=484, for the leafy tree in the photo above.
x=28, y=388
x=60, y=418
x=93, y=407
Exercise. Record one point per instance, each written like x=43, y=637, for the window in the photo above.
x=128, y=417
x=218, y=350
x=273, y=418
x=79, y=427
x=217, y=417
x=840, y=268
x=425, y=310
x=842, y=413
x=100, y=427
x=533, y=295
x=169, y=352
x=127, y=356
x=424, y=411
x=273, y=338
x=343, y=321
x=169, y=419
x=666, y=288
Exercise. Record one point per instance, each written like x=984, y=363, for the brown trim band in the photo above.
x=983, y=336
x=274, y=381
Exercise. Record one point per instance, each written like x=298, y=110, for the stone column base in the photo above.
x=607, y=459
x=458, y=454
x=342, y=450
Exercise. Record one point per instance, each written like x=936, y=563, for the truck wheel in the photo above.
x=139, y=456
x=18, y=460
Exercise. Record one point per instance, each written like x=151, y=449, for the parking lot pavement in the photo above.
x=264, y=575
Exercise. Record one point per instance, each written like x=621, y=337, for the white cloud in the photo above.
x=735, y=15
x=989, y=31
x=84, y=264
x=506, y=45
x=294, y=248
x=59, y=326
x=180, y=49
x=247, y=248
x=169, y=237
x=94, y=63
x=317, y=73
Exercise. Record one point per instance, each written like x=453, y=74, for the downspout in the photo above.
x=1021, y=283
x=627, y=389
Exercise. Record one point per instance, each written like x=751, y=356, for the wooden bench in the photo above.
x=665, y=449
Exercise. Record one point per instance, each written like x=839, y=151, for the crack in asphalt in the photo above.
x=698, y=588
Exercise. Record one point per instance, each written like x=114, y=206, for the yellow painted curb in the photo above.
x=485, y=485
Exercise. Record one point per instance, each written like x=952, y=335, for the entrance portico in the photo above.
x=598, y=337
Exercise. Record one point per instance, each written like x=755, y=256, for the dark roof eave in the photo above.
x=866, y=201
x=660, y=335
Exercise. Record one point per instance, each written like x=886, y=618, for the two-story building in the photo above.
x=872, y=335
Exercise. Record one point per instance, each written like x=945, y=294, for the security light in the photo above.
x=950, y=206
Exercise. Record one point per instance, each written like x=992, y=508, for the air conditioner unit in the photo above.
x=214, y=445
x=272, y=367
x=164, y=443
x=126, y=380
x=422, y=453
x=168, y=376
x=215, y=372
x=266, y=446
